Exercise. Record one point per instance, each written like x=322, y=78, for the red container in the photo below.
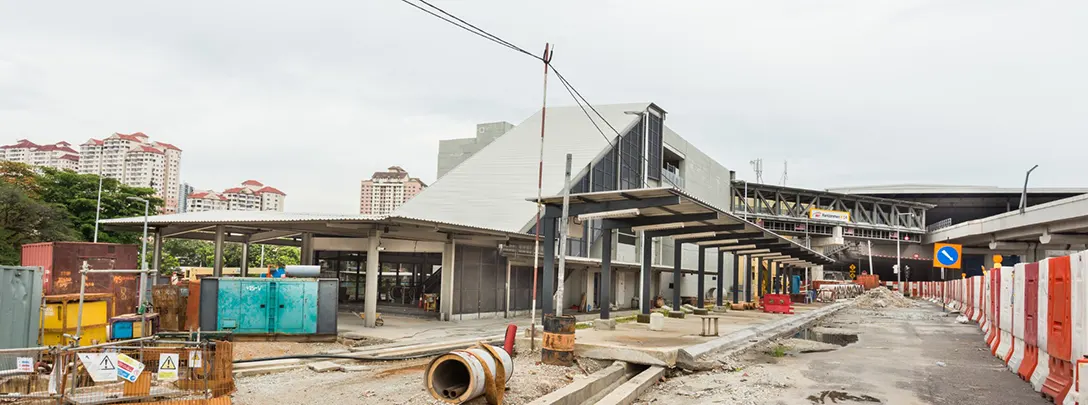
x=62, y=261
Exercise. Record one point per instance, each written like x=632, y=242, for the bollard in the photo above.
x=462, y=375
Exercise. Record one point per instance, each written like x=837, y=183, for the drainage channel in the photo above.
x=835, y=336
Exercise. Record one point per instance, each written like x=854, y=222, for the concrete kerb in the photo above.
x=688, y=357
x=583, y=390
x=628, y=393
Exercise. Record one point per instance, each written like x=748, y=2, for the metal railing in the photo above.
x=672, y=175
x=138, y=370
x=944, y=223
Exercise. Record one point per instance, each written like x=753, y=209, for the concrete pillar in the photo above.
x=445, y=292
x=747, y=276
x=548, y=275
x=719, y=300
x=217, y=261
x=244, y=271
x=590, y=294
x=647, y=273
x=306, y=256
x=677, y=278
x=701, y=282
x=506, y=310
x=606, y=274
x=370, y=297
x=156, y=258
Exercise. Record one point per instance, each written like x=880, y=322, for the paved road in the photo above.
x=895, y=361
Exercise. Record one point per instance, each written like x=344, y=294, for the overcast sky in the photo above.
x=311, y=97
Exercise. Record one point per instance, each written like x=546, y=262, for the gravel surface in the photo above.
x=907, y=356
x=252, y=350
x=882, y=297
x=398, y=382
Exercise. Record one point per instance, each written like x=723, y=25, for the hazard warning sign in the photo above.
x=128, y=368
x=101, y=366
x=196, y=360
x=168, y=367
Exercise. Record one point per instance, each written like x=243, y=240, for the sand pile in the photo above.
x=882, y=297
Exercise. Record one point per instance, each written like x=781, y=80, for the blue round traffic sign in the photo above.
x=947, y=256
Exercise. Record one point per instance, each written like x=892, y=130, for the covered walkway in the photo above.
x=667, y=212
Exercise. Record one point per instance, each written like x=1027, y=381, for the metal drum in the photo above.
x=558, y=346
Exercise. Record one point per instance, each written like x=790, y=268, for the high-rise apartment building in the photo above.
x=386, y=191
x=183, y=196
x=134, y=160
x=59, y=155
x=252, y=195
x=451, y=152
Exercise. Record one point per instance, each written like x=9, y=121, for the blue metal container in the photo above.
x=264, y=305
x=795, y=285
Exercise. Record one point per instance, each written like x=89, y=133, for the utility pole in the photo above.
x=539, y=197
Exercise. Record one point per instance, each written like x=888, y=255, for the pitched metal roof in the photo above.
x=488, y=189
x=687, y=204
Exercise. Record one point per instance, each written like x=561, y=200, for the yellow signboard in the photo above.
x=947, y=255
x=829, y=215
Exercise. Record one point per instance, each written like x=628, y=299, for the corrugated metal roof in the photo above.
x=952, y=189
x=488, y=189
x=689, y=205
x=225, y=217
x=228, y=217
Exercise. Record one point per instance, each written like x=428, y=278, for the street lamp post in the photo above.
x=143, y=254
x=98, y=205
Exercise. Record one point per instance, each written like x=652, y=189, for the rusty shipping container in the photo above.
x=61, y=262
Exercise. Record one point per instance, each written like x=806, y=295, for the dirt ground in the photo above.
x=901, y=356
x=252, y=350
x=398, y=382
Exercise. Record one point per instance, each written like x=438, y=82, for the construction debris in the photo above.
x=881, y=297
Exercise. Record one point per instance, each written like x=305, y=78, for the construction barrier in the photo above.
x=992, y=334
x=1059, y=344
x=1031, y=322
x=1018, y=318
x=1042, y=367
x=777, y=304
x=1079, y=314
x=1004, y=322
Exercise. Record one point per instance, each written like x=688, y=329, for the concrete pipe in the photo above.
x=463, y=375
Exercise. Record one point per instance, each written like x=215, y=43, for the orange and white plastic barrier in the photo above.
x=1018, y=317
x=976, y=297
x=1031, y=322
x=1079, y=316
x=1060, y=380
x=1004, y=321
x=1042, y=368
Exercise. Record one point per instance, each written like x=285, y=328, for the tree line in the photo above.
x=42, y=204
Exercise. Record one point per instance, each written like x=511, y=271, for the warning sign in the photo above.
x=101, y=366
x=128, y=368
x=168, y=367
x=24, y=364
x=196, y=359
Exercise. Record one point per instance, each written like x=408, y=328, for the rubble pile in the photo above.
x=881, y=297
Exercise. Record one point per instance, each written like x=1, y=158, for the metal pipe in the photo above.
x=73, y=348
x=82, y=293
x=104, y=271
x=461, y=375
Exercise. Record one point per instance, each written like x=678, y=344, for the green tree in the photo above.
x=78, y=193
x=20, y=175
x=26, y=220
x=198, y=253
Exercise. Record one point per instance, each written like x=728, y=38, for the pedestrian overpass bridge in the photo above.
x=1057, y=225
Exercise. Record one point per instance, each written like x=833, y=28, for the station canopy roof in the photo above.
x=671, y=212
x=284, y=228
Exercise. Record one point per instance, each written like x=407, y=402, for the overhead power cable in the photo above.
x=573, y=91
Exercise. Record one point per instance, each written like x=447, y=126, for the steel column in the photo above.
x=220, y=235
x=719, y=300
x=747, y=276
x=606, y=274
x=700, y=300
x=370, y=302
x=677, y=255
x=647, y=272
x=736, y=279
